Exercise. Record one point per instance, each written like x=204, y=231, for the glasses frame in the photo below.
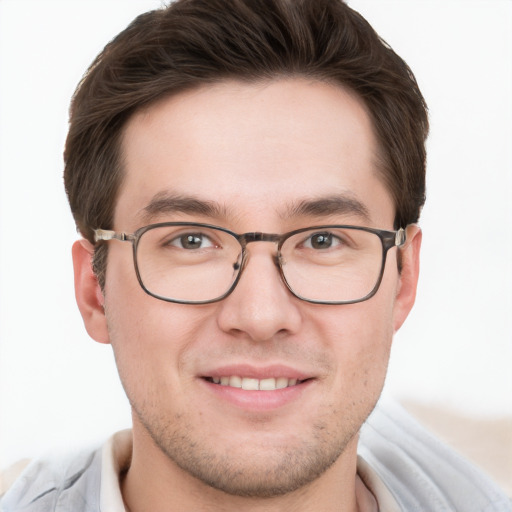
x=389, y=239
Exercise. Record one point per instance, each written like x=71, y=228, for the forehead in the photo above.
x=251, y=150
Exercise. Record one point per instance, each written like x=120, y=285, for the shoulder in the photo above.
x=420, y=471
x=57, y=484
x=10, y=474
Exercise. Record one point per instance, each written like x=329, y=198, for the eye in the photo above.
x=320, y=241
x=192, y=241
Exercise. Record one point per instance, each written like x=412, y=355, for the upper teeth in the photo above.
x=250, y=384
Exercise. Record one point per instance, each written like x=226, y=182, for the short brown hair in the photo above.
x=196, y=42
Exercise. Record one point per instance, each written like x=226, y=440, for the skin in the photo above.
x=255, y=151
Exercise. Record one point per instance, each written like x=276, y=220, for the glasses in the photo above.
x=193, y=263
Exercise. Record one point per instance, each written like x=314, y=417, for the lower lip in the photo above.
x=258, y=400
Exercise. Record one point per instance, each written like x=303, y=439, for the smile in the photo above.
x=251, y=384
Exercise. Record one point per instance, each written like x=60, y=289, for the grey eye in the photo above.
x=321, y=241
x=192, y=241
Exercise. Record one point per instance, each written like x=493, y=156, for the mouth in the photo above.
x=252, y=384
x=258, y=389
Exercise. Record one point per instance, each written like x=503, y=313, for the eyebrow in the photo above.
x=166, y=203
x=331, y=205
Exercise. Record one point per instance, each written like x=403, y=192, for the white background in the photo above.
x=58, y=388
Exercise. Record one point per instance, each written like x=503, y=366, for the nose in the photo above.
x=260, y=307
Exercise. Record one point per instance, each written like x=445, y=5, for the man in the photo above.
x=265, y=162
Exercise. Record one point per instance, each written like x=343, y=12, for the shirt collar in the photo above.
x=116, y=457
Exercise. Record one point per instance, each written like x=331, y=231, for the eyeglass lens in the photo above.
x=197, y=264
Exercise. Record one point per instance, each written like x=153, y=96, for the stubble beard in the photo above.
x=250, y=471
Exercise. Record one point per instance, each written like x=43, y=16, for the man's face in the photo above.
x=256, y=153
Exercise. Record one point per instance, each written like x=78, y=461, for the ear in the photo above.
x=408, y=279
x=89, y=296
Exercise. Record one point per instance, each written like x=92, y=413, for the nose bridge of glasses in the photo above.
x=247, y=238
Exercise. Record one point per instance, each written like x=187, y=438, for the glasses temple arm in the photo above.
x=107, y=234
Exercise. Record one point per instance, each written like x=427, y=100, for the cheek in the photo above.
x=148, y=336
x=359, y=338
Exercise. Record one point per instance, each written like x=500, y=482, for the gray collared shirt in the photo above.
x=406, y=468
